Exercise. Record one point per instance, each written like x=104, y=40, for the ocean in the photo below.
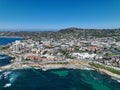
x=56, y=79
x=7, y=40
x=5, y=59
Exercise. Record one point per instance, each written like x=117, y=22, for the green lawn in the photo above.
x=106, y=68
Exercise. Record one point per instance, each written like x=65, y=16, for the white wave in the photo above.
x=37, y=68
x=95, y=78
x=87, y=68
x=118, y=80
x=1, y=76
x=44, y=69
x=13, y=77
x=6, y=74
x=7, y=85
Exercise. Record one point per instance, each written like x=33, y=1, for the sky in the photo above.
x=58, y=14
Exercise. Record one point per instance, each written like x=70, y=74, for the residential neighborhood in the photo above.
x=105, y=50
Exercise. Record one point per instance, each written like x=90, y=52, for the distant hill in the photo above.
x=64, y=33
x=91, y=32
x=70, y=30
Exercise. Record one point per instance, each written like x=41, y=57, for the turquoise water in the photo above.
x=57, y=79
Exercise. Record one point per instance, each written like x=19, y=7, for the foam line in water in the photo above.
x=6, y=74
x=7, y=85
x=95, y=78
x=13, y=77
x=1, y=76
x=116, y=79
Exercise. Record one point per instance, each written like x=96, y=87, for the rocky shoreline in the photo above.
x=71, y=65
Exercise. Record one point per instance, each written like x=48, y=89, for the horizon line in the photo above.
x=46, y=29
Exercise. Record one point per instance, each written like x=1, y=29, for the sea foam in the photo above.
x=7, y=85
x=118, y=80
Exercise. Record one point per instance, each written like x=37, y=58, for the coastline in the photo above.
x=11, y=37
x=106, y=72
x=82, y=66
x=70, y=65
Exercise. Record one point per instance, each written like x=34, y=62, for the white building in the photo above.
x=17, y=46
x=84, y=55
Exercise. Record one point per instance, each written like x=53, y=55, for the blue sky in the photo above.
x=57, y=14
